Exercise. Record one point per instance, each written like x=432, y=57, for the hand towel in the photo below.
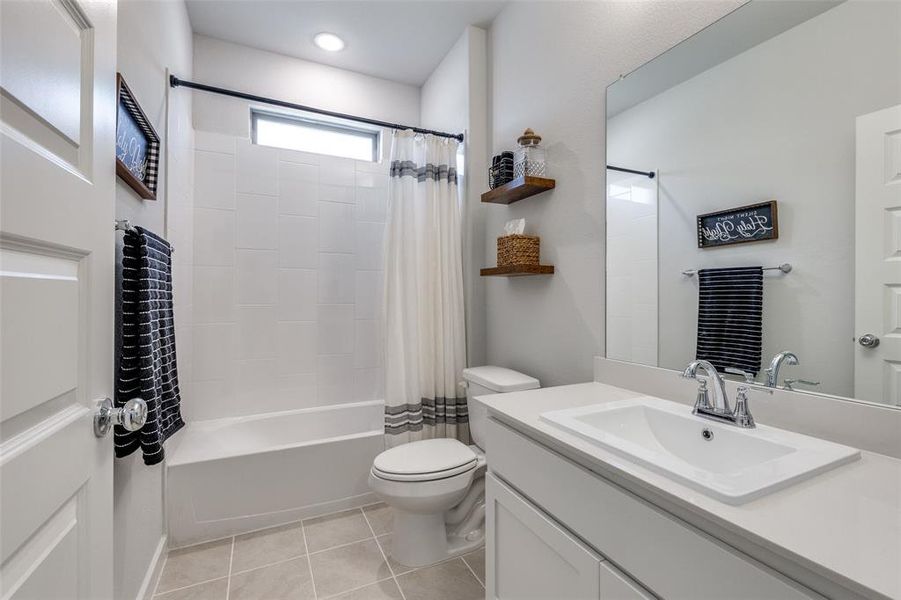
x=730, y=317
x=147, y=360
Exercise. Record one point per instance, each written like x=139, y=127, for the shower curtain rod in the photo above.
x=648, y=174
x=176, y=82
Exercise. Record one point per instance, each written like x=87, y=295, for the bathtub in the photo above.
x=230, y=476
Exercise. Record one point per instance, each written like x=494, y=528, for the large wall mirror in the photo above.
x=793, y=102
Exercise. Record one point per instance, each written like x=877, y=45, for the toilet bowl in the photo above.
x=436, y=487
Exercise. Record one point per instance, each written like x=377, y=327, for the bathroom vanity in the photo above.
x=570, y=519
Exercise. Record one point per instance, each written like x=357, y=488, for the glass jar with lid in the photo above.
x=530, y=156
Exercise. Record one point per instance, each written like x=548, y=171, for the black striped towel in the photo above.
x=147, y=366
x=730, y=317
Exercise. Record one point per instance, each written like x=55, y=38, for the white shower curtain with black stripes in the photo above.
x=423, y=309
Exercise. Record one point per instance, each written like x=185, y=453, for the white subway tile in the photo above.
x=297, y=294
x=336, y=193
x=368, y=294
x=298, y=242
x=214, y=294
x=336, y=329
x=256, y=332
x=214, y=349
x=298, y=189
x=336, y=227
x=257, y=277
x=214, y=180
x=335, y=379
x=336, y=278
x=214, y=237
x=372, y=204
x=369, y=249
x=257, y=222
x=336, y=171
x=296, y=347
x=367, y=344
x=369, y=384
x=256, y=169
x=214, y=142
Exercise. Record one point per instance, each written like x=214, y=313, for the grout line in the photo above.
x=358, y=588
x=306, y=548
x=184, y=587
x=330, y=548
x=231, y=560
x=384, y=556
x=272, y=564
x=468, y=566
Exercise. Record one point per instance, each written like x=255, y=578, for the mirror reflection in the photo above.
x=754, y=201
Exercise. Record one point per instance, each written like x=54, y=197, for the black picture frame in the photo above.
x=742, y=225
x=137, y=144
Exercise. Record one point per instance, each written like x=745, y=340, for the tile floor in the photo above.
x=342, y=556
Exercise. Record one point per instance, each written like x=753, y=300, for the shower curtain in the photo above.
x=424, y=326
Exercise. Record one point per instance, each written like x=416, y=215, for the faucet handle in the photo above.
x=703, y=398
x=742, y=412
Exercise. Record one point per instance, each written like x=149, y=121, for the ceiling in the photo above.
x=398, y=40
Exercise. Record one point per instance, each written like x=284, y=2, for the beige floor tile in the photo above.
x=476, y=561
x=380, y=517
x=268, y=546
x=383, y=590
x=333, y=530
x=342, y=569
x=385, y=543
x=211, y=590
x=282, y=581
x=450, y=580
x=195, y=564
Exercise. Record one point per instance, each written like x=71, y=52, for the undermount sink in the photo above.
x=731, y=464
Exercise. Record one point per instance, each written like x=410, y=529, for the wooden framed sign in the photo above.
x=753, y=223
x=137, y=144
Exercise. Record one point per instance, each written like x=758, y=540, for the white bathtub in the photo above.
x=229, y=476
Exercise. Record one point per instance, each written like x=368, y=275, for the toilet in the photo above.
x=436, y=487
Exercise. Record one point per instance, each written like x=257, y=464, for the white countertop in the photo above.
x=843, y=525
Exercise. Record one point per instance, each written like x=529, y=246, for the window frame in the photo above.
x=375, y=135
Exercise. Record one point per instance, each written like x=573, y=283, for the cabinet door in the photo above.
x=618, y=586
x=529, y=557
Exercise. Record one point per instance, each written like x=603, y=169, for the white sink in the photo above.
x=734, y=466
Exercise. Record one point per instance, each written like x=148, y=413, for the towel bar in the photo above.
x=784, y=267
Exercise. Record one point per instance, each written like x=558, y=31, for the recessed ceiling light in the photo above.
x=328, y=41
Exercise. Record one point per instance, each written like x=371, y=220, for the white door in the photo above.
x=57, y=185
x=877, y=285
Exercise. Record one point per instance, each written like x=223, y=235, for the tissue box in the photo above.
x=518, y=250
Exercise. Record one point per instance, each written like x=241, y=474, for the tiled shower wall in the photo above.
x=287, y=279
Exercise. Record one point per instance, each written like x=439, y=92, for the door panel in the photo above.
x=57, y=186
x=877, y=369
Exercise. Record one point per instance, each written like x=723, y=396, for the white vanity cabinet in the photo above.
x=555, y=530
x=529, y=557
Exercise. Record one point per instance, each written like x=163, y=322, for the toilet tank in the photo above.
x=481, y=381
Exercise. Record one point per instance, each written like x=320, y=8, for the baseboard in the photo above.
x=148, y=586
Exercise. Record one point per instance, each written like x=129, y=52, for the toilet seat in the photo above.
x=425, y=460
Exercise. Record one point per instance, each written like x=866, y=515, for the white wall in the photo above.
x=776, y=122
x=549, y=65
x=288, y=245
x=294, y=80
x=153, y=37
x=454, y=99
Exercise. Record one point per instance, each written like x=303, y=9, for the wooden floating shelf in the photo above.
x=517, y=270
x=519, y=188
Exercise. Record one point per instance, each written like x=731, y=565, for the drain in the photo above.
x=707, y=434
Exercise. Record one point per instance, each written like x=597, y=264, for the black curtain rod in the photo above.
x=176, y=82
x=648, y=174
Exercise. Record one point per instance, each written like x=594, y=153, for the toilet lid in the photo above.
x=430, y=458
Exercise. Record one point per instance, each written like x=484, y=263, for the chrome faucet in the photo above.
x=720, y=409
x=772, y=372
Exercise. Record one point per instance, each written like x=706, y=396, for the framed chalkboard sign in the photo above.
x=753, y=223
x=137, y=144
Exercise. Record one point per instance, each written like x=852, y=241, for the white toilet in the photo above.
x=436, y=487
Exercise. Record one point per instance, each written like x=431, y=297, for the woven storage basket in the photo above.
x=518, y=250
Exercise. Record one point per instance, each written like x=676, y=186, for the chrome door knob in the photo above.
x=132, y=416
x=868, y=341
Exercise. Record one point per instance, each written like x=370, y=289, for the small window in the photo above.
x=308, y=135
